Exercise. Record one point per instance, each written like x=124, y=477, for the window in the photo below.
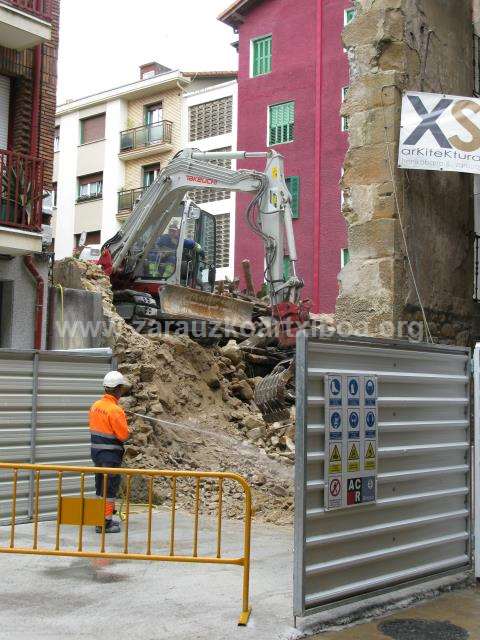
x=150, y=174
x=210, y=118
x=222, y=240
x=261, y=52
x=348, y=16
x=92, y=129
x=92, y=237
x=4, y=110
x=56, y=140
x=90, y=187
x=200, y=196
x=344, y=257
x=293, y=184
x=287, y=268
x=54, y=195
x=345, y=120
x=154, y=113
x=281, y=123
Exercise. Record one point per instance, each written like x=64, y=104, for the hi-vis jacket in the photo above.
x=108, y=426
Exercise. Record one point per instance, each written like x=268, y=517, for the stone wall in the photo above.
x=393, y=46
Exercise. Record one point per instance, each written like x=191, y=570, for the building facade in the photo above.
x=293, y=76
x=111, y=146
x=28, y=60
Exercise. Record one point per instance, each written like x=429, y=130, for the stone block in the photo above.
x=373, y=239
x=367, y=165
x=374, y=90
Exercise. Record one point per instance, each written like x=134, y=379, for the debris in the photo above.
x=207, y=389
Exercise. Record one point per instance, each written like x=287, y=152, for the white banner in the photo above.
x=440, y=133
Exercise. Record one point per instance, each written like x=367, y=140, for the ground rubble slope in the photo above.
x=199, y=401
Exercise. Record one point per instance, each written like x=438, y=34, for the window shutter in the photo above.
x=262, y=56
x=93, y=129
x=293, y=184
x=282, y=121
x=4, y=110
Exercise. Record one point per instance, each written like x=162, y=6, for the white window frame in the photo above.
x=56, y=140
x=90, y=192
x=342, y=257
x=345, y=16
x=252, y=41
x=345, y=126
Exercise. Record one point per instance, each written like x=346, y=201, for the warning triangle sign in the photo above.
x=370, y=451
x=354, y=455
x=335, y=455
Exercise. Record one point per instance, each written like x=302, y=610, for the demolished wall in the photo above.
x=393, y=46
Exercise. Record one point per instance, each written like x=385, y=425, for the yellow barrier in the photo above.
x=84, y=511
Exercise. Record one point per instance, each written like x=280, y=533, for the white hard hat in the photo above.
x=115, y=379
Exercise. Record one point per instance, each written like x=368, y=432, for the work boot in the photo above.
x=110, y=527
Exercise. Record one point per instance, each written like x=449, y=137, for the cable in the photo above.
x=397, y=205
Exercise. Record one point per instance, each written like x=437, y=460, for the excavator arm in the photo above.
x=269, y=214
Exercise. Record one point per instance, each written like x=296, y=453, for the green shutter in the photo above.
x=282, y=123
x=293, y=184
x=287, y=268
x=262, y=56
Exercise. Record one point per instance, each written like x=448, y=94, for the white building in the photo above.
x=110, y=147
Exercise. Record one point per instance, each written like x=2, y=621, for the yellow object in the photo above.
x=75, y=511
x=83, y=511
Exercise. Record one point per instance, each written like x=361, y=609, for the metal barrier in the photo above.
x=82, y=511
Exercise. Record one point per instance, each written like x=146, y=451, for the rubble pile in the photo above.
x=200, y=409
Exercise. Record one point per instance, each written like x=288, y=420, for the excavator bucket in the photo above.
x=181, y=303
x=274, y=395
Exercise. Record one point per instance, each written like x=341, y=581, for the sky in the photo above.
x=103, y=42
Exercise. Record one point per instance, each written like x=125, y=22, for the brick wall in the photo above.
x=19, y=66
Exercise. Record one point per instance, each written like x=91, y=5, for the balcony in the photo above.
x=147, y=140
x=127, y=199
x=21, y=197
x=25, y=23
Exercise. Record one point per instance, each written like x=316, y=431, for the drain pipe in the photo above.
x=34, y=144
x=40, y=286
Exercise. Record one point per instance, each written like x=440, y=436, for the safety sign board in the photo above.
x=335, y=422
x=353, y=392
x=353, y=421
x=351, y=440
x=335, y=492
x=335, y=458
x=353, y=457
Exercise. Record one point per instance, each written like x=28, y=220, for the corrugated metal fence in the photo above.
x=420, y=525
x=44, y=402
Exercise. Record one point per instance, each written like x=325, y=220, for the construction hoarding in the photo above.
x=415, y=523
x=45, y=398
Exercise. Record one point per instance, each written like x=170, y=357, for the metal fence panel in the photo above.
x=44, y=402
x=420, y=525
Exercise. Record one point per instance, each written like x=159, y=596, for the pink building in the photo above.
x=293, y=72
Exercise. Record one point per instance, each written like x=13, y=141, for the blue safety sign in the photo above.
x=370, y=424
x=353, y=388
x=370, y=392
x=335, y=391
x=353, y=424
x=335, y=425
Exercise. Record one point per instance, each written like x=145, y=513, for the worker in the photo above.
x=108, y=431
x=162, y=259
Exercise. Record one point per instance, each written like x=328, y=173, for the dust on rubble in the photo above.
x=176, y=380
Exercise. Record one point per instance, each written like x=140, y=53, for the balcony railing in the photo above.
x=146, y=135
x=127, y=199
x=21, y=191
x=39, y=8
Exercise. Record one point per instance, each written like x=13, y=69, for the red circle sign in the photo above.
x=335, y=487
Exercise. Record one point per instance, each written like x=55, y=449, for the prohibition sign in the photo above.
x=335, y=487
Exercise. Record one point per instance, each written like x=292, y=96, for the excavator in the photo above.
x=162, y=263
